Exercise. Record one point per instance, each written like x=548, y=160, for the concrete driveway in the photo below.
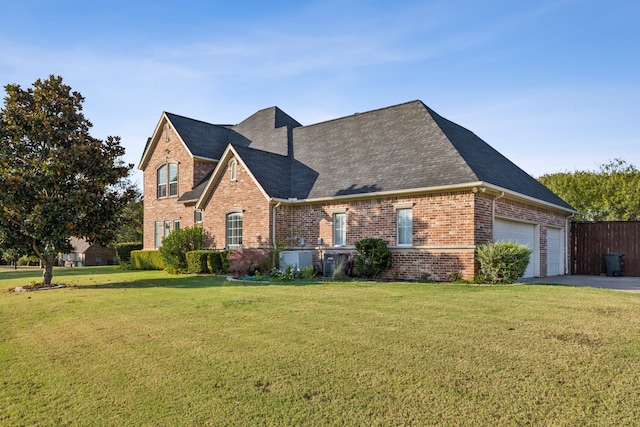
x=627, y=284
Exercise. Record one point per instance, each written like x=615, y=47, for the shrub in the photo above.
x=218, y=262
x=176, y=245
x=426, y=278
x=503, y=261
x=123, y=250
x=246, y=261
x=372, y=257
x=147, y=260
x=339, y=273
x=197, y=262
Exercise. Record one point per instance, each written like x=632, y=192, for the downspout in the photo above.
x=273, y=234
x=273, y=225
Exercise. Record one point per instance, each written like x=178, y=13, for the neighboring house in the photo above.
x=431, y=188
x=85, y=254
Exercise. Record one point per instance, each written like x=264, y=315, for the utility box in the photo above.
x=614, y=264
x=297, y=259
x=332, y=260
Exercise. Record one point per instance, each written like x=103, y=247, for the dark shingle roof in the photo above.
x=398, y=148
x=203, y=139
x=267, y=130
x=272, y=171
x=196, y=192
x=492, y=167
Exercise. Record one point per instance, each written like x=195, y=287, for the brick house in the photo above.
x=85, y=254
x=431, y=188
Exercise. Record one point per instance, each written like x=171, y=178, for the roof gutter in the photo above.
x=437, y=189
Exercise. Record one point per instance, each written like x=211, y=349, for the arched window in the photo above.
x=168, y=180
x=233, y=165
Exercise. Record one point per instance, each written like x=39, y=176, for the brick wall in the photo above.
x=169, y=149
x=243, y=193
x=446, y=229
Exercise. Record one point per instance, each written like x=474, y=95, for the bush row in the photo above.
x=207, y=262
x=199, y=262
x=123, y=250
x=147, y=260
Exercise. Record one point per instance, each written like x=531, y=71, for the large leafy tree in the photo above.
x=612, y=193
x=56, y=180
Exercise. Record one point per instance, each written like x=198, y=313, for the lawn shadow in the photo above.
x=191, y=282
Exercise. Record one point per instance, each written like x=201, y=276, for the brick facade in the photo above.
x=169, y=149
x=446, y=229
x=446, y=226
x=239, y=195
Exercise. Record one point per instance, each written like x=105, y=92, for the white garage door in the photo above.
x=555, y=252
x=518, y=232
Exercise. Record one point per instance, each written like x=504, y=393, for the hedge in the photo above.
x=147, y=260
x=197, y=262
x=218, y=262
x=123, y=250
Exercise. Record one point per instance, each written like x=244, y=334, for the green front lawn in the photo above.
x=147, y=348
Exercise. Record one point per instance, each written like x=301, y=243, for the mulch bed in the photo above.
x=39, y=287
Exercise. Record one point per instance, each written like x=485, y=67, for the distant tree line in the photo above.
x=611, y=193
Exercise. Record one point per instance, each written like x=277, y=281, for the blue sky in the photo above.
x=553, y=85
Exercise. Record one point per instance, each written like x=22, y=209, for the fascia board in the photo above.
x=218, y=171
x=154, y=141
x=425, y=190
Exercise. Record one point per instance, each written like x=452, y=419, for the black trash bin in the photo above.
x=614, y=264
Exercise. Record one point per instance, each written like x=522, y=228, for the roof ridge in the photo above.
x=194, y=120
x=366, y=112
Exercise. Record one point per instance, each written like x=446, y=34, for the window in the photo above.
x=197, y=216
x=339, y=229
x=173, y=180
x=158, y=234
x=162, y=182
x=234, y=230
x=234, y=170
x=405, y=226
x=168, y=177
x=163, y=229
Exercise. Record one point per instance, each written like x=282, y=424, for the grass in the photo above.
x=146, y=348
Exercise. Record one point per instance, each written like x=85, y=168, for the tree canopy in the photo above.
x=612, y=193
x=56, y=180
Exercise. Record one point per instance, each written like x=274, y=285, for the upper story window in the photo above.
x=233, y=165
x=168, y=180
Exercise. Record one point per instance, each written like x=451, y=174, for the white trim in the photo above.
x=232, y=210
x=404, y=205
x=155, y=137
x=427, y=190
x=218, y=171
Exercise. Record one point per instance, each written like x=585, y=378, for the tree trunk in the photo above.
x=47, y=264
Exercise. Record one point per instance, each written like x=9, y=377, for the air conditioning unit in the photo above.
x=299, y=259
x=331, y=260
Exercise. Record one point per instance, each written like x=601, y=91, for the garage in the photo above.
x=555, y=251
x=519, y=232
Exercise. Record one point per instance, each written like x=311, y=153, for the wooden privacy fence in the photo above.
x=590, y=240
